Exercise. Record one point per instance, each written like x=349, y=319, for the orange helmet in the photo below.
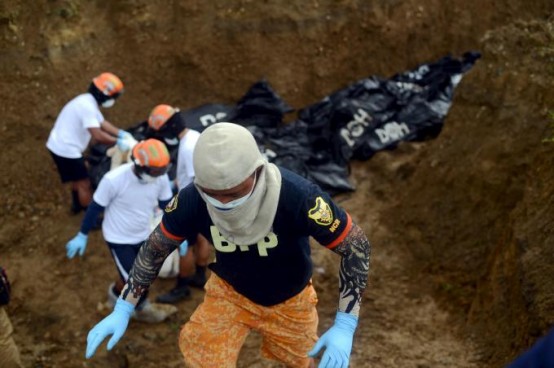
x=109, y=84
x=151, y=157
x=166, y=123
x=160, y=115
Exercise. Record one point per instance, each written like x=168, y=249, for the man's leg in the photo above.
x=75, y=203
x=84, y=191
x=289, y=330
x=124, y=257
x=75, y=171
x=192, y=272
x=202, y=252
x=181, y=290
x=119, y=284
x=9, y=355
x=217, y=329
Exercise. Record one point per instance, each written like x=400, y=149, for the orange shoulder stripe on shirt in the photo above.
x=168, y=234
x=343, y=234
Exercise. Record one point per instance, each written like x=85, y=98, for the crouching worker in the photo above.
x=128, y=196
x=259, y=218
x=166, y=123
x=78, y=122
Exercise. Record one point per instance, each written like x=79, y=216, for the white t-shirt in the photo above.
x=185, y=170
x=70, y=136
x=129, y=204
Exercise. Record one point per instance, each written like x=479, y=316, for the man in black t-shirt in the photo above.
x=259, y=217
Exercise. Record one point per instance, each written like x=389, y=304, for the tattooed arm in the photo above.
x=147, y=265
x=355, y=251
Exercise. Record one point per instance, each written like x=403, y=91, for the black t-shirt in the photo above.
x=279, y=266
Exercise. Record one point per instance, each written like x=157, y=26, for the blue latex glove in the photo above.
x=115, y=324
x=183, y=248
x=337, y=341
x=125, y=140
x=77, y=244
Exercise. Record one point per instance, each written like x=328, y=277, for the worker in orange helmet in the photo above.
x=127, y=196
x=79, y=121
x=166, y=122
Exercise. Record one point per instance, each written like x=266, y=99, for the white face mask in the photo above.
x=171, y=141
x=232, y=204
x=108, y=103
x=146, y=179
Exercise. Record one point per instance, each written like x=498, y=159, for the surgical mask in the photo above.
x=171, y=141
x=232, y=204
x=146, y=179
x=108, y=103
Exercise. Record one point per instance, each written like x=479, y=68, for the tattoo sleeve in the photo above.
x=355, y=251
x=147, y=265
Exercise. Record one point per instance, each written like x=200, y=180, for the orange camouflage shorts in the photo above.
x=217, y=329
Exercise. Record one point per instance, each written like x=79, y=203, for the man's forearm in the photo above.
x=148, y=263
x=354, y=269
x=101, y=136
x=110, y=128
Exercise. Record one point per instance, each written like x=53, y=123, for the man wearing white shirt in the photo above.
x=128, y=196
x=79, y=121
x=165, y=122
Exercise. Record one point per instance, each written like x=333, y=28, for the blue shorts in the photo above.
x=124, y=257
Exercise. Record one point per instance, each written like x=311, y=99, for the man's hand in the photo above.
x=77, y=244
x=183, y=248
x=337, y=342
x=115, y=324
x=125, y=141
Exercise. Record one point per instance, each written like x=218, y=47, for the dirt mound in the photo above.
x=460, y=225
x=482, y=232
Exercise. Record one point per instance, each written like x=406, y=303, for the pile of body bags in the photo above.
x=353, y=123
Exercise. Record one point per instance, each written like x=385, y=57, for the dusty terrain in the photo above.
x=461, y=225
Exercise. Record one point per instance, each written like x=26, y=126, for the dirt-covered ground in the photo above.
x=461, y=226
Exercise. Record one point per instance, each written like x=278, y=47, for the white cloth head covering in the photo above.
x=225, y=155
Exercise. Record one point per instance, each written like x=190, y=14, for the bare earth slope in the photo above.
x=460, y=225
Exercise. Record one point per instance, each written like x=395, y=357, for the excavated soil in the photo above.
x=463, y=251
